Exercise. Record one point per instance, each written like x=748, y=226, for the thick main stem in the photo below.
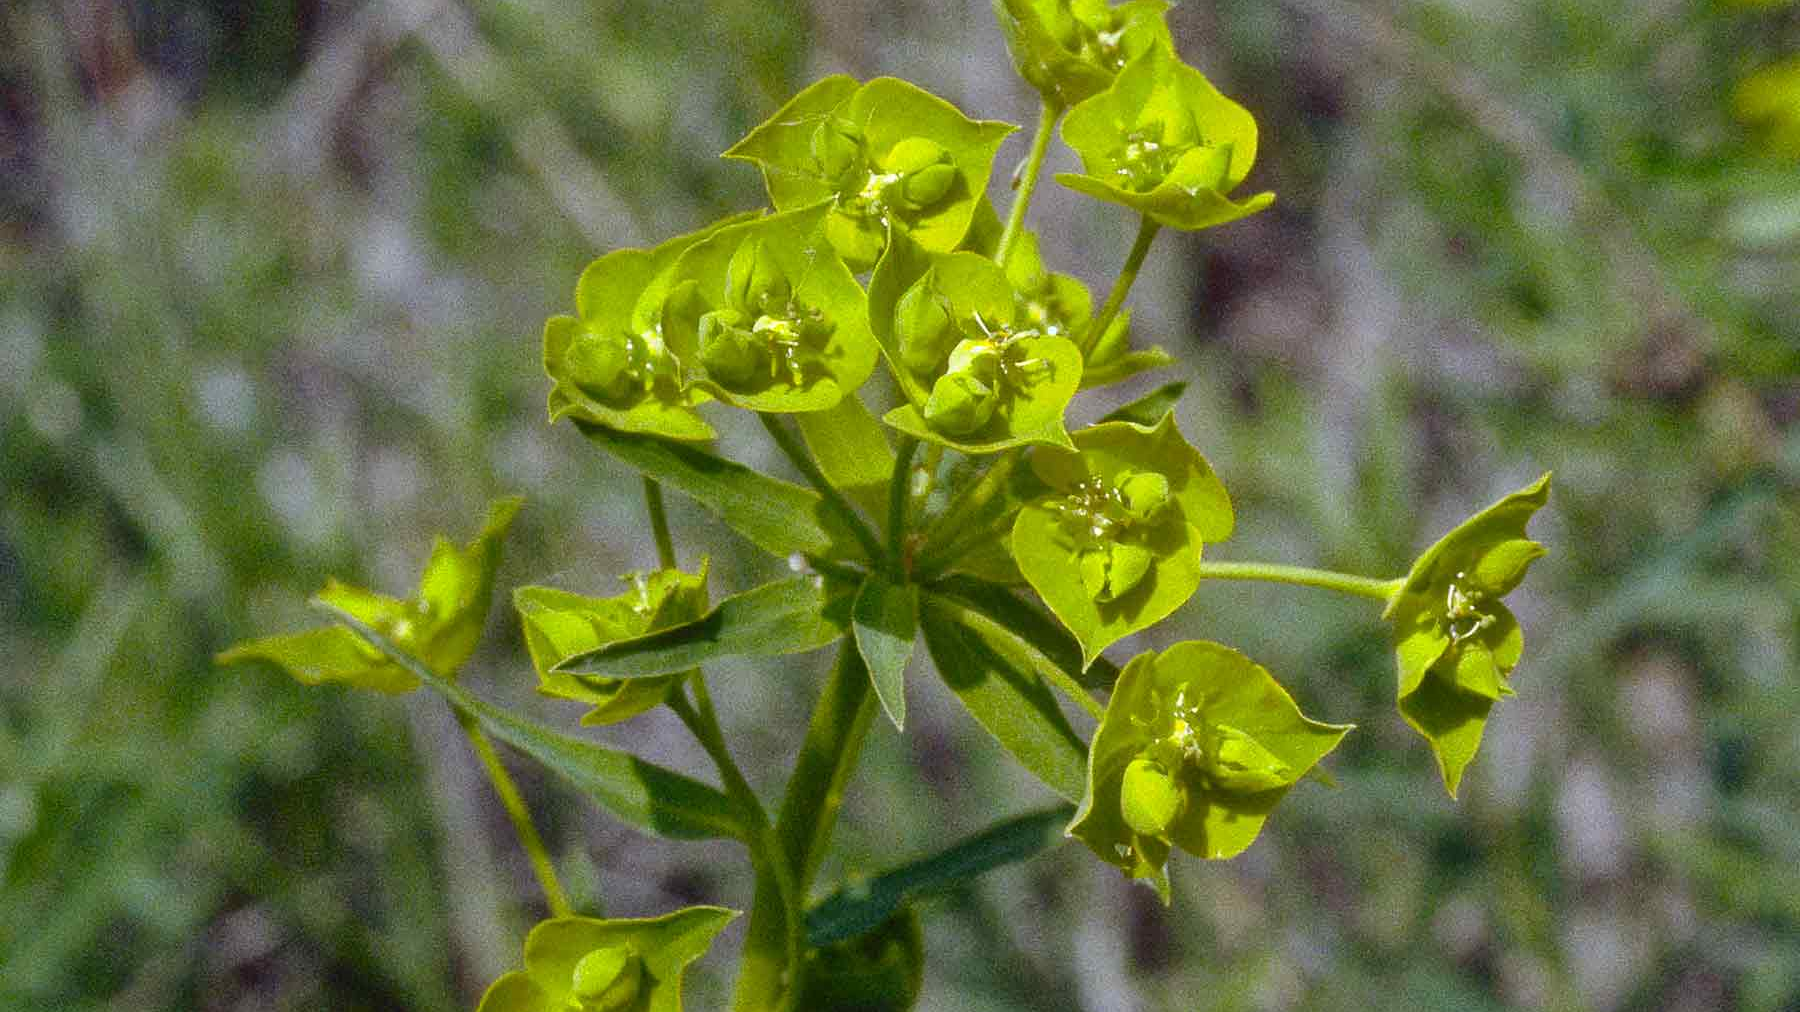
x=795, y=452
x=1048, y=114
x=523, y=827
x=1343, y=583
x=1134, y=261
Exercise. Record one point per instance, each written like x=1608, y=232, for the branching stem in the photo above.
x=795, y=452
x=1134, y=262
x=523, y=827
x=1048, y=113
x=1343, y=583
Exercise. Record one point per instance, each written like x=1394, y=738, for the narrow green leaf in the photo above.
x=788, y=616
x=1047, y=638
x=648, y=796
x=862, y=905
x=777, y=516
x=852, y=449
x=1150, y=408
x=886, y=621
x=993, y=672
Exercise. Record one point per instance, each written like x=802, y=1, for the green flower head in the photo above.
x=769, y=317
x=883, y=155
x=559, y=625
x=1163, y=142
x=1456, y=642
x=1071, y=49
x=611, y=364
x=582, y=964
x=1115, y=546
x=440, y=624
x=979, y=376
x=1195, y=748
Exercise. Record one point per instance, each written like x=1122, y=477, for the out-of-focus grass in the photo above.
x=270, y=283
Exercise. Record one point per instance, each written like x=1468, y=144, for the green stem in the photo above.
x=659, y=524
x=776, y=892
x=1343, y=583
x=955, y=528
x=1034, y=167
x=898, y=487
x=1140, y=249
x=514, y=804
x=795, y=452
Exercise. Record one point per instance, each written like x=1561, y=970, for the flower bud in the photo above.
x=922, y=327
x=1149, y=799
x=600, y=366
x=607, y=980
x=1143, y=494
x=732, y=355
x=914, y=154
x=929, y=185
x=960, y=404
x=976, y=356
x=837, y=146
x=753, y=279
x=1241, y=763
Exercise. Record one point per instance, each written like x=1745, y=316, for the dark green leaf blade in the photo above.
x=788, y=616
x=886, y=622
x=993, y=672
x=777, y=516
x=860, y=907
x=652, y=798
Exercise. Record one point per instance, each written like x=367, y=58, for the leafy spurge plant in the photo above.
x=881, y=245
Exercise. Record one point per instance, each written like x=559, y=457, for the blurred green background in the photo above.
x=272, y=274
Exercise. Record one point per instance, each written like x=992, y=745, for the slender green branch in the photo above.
x=1140, y=249
x=1343, y=583
x=795, y=452
x=898, y=486
x=1048, y=113
x=659, y=524
x=766, y=851
x=514, y=804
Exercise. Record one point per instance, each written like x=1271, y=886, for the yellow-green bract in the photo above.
x=1106, y=560
x=1455, y=642
x=617, y=965
x=1196, y=747
x=440, y=624
x=1164, y=142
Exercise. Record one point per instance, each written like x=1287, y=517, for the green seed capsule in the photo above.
x=976, y=356
x=753, y=280
x=837, y=147
x=914, y=154
x=959, y=404
x=1241, y=763
x=1149, y=799
x=922, y=327
x=601, y=365
x=732, y=355
x=607, y=980
x=1143, y=494
x=929, y=185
